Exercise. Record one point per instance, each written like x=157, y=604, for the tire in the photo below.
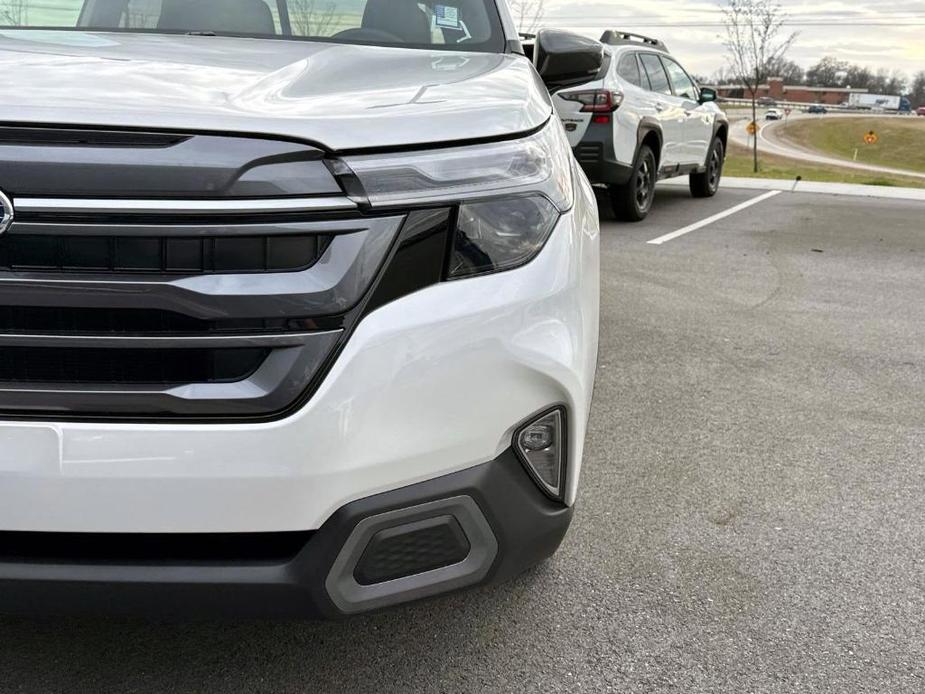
x=632, y=201
x=705, y=185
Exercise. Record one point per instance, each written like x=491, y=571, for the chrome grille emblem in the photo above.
x=6, y=212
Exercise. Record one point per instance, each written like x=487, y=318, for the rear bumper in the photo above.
x=597, y=156
x=508, y=524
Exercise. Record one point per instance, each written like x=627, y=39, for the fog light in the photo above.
x=538, y=437
x=541, y=446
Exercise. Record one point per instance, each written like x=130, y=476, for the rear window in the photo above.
x=628, y=69
x=657, y=76
x=462, y=25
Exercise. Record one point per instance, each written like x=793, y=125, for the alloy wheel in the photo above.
x=714, y=169
x=644, y=185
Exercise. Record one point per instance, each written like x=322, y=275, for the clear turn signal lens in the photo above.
x=541, y=447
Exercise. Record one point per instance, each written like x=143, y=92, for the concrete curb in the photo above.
x=849, y=189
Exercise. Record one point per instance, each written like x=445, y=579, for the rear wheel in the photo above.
x=633, y=200
x=705, y=185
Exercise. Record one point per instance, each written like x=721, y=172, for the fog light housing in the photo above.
x=542, y=448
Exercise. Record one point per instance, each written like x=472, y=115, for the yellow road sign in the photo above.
x=752, y=128
x=871, y=138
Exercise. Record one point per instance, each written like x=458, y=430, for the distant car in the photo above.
x=766, y=101
x=921, y=111
x=774, y=114
x=817, y=108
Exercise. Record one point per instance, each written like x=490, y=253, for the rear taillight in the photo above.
x=596, y=101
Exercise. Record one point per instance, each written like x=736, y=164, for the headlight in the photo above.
x=499, y=235
x=510, y=194
x=539, y=163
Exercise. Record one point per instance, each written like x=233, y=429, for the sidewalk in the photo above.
x=850, y=189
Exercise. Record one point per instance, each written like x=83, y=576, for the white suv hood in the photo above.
x=342, y=97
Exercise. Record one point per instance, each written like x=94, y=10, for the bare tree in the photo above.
x=310, y=17
x=789, y=71
x=528, y=14
x=917, y=94
x=14, y=13
x=832, y=72
x=722, y=76
x=755, y=41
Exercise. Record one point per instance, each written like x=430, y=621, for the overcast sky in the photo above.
x=878, y=33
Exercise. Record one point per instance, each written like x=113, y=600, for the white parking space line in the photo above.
x=715, y=218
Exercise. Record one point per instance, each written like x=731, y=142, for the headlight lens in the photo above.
x=499, y=235
x=539, y=163
x=510, y=194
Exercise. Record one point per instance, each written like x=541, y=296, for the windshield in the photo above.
x=462, y=25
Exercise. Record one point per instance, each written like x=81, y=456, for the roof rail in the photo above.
x=614, y=37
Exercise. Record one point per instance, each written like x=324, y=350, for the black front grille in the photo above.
x=181, y=255
x=59, y=320
x=127, y=366
x=181, y=276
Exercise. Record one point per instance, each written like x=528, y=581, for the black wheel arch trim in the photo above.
x=721, y=125
x=647, y=126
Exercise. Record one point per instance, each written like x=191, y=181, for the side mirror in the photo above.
x=564, y=59
x=707, y=95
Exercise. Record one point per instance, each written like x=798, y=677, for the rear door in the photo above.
x=698, y=121
x=638, y=104
x=668, y=110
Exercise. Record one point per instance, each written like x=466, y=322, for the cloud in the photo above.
x=879, y=34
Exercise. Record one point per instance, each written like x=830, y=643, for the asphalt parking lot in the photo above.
x=751, y=517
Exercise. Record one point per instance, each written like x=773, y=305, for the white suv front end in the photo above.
x=280, y=374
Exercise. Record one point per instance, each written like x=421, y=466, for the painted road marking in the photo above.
x=715, y=218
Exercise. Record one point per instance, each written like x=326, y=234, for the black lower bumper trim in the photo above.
x=526, y=526
x=597, y=157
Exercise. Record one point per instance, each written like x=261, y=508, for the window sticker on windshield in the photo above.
x=446, y=17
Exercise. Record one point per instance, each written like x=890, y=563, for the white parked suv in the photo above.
x=296, y=317
x=643, y=118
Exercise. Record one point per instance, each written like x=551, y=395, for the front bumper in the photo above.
x=521, y=528
x=430, y=384
x=420, y=406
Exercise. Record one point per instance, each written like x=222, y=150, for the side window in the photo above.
x=628, y=69
x=658, y=78
x=682, y=83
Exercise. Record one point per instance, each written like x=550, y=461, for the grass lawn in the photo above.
x=739, y=163
x=901, y=145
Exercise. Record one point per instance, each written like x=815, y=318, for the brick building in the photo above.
x=777, y=90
